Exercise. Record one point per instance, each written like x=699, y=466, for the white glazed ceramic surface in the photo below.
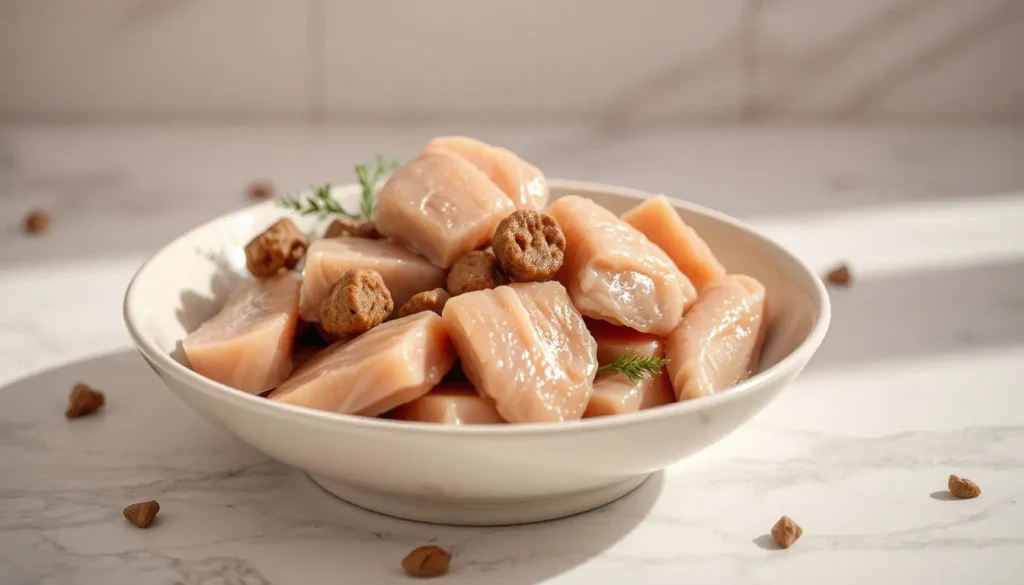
x=481, y=475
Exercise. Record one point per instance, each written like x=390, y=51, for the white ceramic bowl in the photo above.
x=480, y=475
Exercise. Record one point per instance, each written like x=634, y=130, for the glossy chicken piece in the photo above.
x=440, y=206
x=614, y=273
x=404, y=273
x=719, y=340
x=658, y=220
x=451, y=403
x=393, y=363
x=525, y=347
x=615, y=393
x=248, y=344
x=522, y=182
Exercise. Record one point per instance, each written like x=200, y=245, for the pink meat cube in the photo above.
x=526, y=348
x=451, y=403
x=441, y=206
x=614, y=273
x=393, y=363
x=248, y=344
x=327, y=260
x=615, y=393
x=658, y=220
x=719, y=340
x=522, y=182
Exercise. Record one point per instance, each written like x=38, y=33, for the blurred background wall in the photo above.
x=650, y=61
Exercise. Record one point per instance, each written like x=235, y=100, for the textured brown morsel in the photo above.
x=786, y=532
x=351, y=228
x=261, y=190
x=477, y=270
x=142, y=514
x=356, y=303
x=430, y=300
x=37, y=221
x=427, y=561
x=83, y=401
x=279, y=248
x=840, y=275
x=529, y=245
x=963, y=488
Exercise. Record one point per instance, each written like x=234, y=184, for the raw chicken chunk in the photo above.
x=612, y=340
x=248, y=344
x=615, y=393
x=614, y=273
x=719, y=340
x=525, y=347
x=404, y=273
x=440, y=206
x=452, y=403
x=522, y=182
x=658, y=220
x=393, y=363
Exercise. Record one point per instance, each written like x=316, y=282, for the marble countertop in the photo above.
x=919, y=378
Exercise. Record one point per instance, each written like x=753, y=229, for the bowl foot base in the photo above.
x=495, y=513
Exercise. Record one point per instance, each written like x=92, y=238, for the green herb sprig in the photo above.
x=635, y=367
x=321, y=202
x=369, y=176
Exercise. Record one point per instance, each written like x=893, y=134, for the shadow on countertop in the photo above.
x=920, y=313
x=228, y=513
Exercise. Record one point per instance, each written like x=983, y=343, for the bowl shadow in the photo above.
x=226, y=508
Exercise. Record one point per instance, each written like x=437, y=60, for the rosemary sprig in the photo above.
x=369, y=175
x=322, y=203
x=635, y=367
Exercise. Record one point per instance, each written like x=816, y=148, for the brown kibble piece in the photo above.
x=351, y=228
x=280, y=247
x=786, y=532
x=261, y=190
x=529, y=245
x=427, y=561
x=83, y=401
x=37, y=221
x=430, y=300
x=356, y=303
x=142, y=514
x=840, y=275
x=963, y=488
x=477, y=270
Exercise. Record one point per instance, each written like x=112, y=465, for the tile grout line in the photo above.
x=316, y=36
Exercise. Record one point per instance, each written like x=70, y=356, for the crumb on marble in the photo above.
x=963, y=488
x=36, y=222
x=840, y=275
x=427, y=561
x=786, y=532
x=141, y=514
x=83, y=401
x=261, y=190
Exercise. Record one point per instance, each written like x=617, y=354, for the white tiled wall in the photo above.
x=572, y=60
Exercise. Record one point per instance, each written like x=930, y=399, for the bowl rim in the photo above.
x=220, y=392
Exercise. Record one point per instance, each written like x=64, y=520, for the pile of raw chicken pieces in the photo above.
x=525, y=352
